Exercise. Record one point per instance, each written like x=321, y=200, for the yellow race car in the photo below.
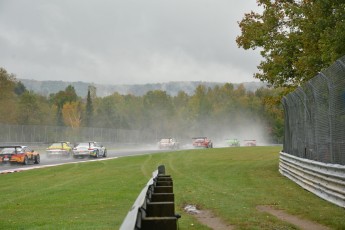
x=62, y=148
x=18, y=154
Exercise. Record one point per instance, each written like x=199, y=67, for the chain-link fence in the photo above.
x=315, y=117
x=47, y=134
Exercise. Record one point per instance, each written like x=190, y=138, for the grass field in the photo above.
x=230, y=182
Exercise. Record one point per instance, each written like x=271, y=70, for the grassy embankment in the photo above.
x=230, y=182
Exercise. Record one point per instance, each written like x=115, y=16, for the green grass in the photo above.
x=97, y=195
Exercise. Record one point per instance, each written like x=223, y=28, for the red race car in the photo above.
x=202, y=142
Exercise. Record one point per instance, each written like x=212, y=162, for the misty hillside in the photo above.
x=172, y=88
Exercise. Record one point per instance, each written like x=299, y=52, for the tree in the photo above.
x=182, y=118
x=297, y=38
x=29, y=111
x=272, y=111
x=133, y=111
x=8, y=100
x=93, y=91
x=7, y=84
x=158, y=109
x=60, y=98
x=71, y=112
x=200, y=103
x=19, y=88
x=89, y=109
x=110, y=112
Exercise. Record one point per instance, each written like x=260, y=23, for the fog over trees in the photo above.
x=222, y=111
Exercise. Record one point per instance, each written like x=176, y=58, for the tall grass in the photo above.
x=230, y=182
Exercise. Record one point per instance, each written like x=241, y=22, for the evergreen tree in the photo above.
x=19, y=88
x=89, y=110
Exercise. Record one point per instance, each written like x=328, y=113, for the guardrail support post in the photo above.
x=161, y=170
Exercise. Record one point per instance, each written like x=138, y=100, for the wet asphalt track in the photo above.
x=50, y=162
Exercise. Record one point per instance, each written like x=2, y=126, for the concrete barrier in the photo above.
x=154, y=208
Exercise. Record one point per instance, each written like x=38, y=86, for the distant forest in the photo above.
x=223, y=111
x=172, y=88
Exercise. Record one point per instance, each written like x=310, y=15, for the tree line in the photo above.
x=209, y=110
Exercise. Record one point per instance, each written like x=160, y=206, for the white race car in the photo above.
x=168, y=143
x=89, y=149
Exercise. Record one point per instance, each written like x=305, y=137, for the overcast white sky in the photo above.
x=125, y=41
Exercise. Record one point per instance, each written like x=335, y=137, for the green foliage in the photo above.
x=297, y=39
x=29, y=111
x=8, y=99
x=62, y=97
x=110, y=112
x=158, y=111
x=200, y=104
x=7, y=84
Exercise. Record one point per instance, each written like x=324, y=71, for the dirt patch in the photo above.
x=207, y=218
x=301, y=223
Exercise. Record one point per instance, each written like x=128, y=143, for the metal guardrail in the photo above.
x=154, y=208
x=130, y=220
x=324, y=180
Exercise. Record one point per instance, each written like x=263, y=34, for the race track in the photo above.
x=51, y=162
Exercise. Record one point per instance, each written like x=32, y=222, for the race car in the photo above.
x=250, y=142
x=89, y=149
x=202, y=142
x=18, y=154
x=62, y=148
x=233, y=142
x=168, y=143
